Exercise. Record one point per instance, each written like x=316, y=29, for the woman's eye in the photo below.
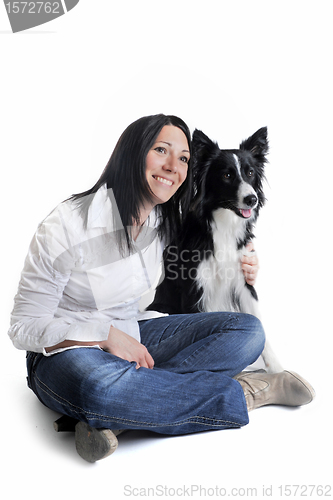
x=160, y=149
x=184, y=159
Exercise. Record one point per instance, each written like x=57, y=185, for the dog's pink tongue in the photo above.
x=246, y=213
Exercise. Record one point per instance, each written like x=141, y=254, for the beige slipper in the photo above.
x=283, y=388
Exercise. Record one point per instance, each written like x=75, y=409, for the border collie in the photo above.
x=203, y=272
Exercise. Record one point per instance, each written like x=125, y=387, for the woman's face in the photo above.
x=167, y=163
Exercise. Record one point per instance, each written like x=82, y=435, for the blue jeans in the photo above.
x=190, y=388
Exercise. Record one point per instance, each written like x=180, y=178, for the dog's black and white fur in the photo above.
x=203, y=272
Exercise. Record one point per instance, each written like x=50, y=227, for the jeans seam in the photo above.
x=90, y=414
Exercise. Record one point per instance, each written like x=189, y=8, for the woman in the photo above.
x=92, y=355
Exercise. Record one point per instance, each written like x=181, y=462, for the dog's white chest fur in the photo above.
x=222, y=280
x=220, y=275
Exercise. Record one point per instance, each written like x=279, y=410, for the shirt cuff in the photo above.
x=56, y=351
x=88, y=332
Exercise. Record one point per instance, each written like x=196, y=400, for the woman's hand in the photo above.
x=250, y=265
x=126, y=347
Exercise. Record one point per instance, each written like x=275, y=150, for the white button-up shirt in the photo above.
x=76, y=284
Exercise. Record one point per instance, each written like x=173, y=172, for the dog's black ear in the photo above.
x=201, y=143
x=257, y=144
x=203, y=148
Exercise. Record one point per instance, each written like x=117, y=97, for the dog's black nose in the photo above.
x=250, y=200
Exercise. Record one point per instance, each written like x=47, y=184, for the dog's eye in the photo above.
x=227, y=175
x=250, y=173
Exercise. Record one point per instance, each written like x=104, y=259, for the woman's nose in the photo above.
x=171, y=164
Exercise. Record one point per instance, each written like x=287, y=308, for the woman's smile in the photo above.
x=163, y=180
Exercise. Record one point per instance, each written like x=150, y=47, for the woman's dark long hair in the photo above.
x=125, y=173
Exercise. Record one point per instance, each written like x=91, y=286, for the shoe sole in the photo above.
x=94, y=444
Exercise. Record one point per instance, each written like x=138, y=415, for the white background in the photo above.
x=67, y=90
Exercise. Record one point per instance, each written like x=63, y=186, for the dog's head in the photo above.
x=230, y=178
